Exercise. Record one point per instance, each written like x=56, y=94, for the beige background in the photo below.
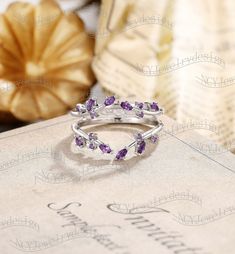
x=46, y=168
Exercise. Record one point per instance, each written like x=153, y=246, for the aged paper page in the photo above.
x=176, y=199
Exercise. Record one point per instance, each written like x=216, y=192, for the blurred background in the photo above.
x=180, y=53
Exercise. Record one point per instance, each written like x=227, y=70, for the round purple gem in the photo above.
x=109, y=101
x=141, y=147
x=126, y=105
x=139, y=105
x=154, y=138
x=154, y=106
x=92, y=146
x=79, y=141
x=121, y=154
x=92, y=136
x=140, y=114
x=90, y=104
x=105, y=148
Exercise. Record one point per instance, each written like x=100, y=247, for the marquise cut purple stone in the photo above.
x=105, y=148
x=141, y=147
x=138, y=137
x=140, y=114
x=109, y=101
x=90, y=104
x=154, y=139
x=126, y=105
x=92, y=136
x=93, y=114
x=121, y=154
x=79, y=141
x=139, y=105
x=154, y=106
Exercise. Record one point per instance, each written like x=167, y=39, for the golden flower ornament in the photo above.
x=45, y=61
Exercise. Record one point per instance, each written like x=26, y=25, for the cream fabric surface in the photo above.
x=178, y=52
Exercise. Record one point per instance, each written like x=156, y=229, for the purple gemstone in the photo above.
x=121, y=154
x=79, y=108
x=105, y=148
x=93, y=114
x=92, y=136
x=79, y=141
x=140, y=114
x=109, y=101
x=154, y=106
x=138, y=137
x=126, y=105
x=139, y=105
x=141, y=147
x=154, y=139
x=90, y=104
x=92, y=146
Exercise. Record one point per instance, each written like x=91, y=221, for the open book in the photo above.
x=178, y=198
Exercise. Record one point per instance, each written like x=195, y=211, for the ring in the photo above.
x=112, y=111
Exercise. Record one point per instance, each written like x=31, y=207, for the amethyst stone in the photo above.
x=139, y=105
x=80, y=141
x=126, y=105
x=79, y=108
x=90, y=104
x=154, y=139
x=92, y=146
x=141, y=147
x=92, y=136
x=154, y=106
x=121, y=154
x=109, y=101
x=93, y=114
x=105, y=148
x=138, y=137
x=140, y=114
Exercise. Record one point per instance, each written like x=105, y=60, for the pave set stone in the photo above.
x=90, y=107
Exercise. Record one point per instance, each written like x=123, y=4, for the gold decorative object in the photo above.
x=45, y=58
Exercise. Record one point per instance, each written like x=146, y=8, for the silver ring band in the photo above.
x=92, y=113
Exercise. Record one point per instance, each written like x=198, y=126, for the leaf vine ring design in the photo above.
x=112, y=111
